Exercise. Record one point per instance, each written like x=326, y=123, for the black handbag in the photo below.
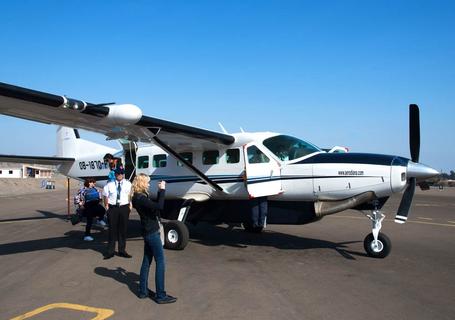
x=75, y=219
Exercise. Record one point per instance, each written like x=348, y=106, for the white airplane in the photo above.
x=212, y=176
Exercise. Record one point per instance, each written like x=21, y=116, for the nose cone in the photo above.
x=420, y=171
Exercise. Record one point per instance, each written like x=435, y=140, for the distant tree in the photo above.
x=444, y=176
x=452, y=175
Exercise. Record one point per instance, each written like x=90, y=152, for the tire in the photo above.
x=249, y=228
x=380, y=251
x=176, y=235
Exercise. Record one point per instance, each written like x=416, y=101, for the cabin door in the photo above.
x=129, y=160
x=262, y=174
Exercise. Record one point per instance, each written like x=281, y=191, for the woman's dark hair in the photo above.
x=108, y=156
x=87, y=182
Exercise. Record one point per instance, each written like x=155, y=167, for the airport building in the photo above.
x=17, y=170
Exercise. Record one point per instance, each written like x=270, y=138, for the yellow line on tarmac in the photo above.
x=409, y=221
x=433, y=223
x=101, y=314
x=424, y=218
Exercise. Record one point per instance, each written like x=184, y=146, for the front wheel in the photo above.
x=176, y=235
x=377, y=249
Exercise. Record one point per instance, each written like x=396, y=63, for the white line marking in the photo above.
x=424, y=218
x=409, y=221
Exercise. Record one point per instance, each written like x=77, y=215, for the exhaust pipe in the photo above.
x=324, y=208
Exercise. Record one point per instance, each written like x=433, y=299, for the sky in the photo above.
x=329, y=72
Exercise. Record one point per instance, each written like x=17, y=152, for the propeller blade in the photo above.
x=414, y=132
x=405, y=204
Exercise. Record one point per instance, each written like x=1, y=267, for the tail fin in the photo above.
x=69, y=144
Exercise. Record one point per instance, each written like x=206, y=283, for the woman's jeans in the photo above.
x=152, y=249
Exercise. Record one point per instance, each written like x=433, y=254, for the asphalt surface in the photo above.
x=315, y=271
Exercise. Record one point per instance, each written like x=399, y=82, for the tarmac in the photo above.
x=315, y=271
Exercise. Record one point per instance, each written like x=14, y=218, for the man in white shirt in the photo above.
x=117, y=202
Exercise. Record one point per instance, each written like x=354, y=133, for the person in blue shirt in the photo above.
x=88, y=199
x=113, y=163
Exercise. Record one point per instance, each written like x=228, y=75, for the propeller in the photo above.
x=414, y=146
x=414, y=132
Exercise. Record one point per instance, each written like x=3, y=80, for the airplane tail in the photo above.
x=70, y=144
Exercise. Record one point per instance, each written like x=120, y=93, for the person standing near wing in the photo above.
x=91, y=206
x=153, y=248
x=117, y=203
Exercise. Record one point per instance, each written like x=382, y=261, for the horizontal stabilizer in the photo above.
x=50, y=161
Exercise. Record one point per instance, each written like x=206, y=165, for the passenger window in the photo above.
x=233, y=156
x=143, y=162
x=210, y=157
x=256, y=156
x=159, y=161
x=188, y=156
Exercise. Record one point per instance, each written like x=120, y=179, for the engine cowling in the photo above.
x=124, y=114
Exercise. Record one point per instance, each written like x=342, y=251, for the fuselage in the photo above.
x=287, y=168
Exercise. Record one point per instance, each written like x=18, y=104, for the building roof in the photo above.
x=10, y=166
x=17, y=166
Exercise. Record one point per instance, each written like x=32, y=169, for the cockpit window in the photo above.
x=288, y=148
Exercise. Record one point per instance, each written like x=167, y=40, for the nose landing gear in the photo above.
x=376, y=244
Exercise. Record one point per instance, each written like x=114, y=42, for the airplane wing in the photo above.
x=124, y=121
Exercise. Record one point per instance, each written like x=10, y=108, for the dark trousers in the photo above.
x=259, y=210
x=91, y=211
x=118, y=225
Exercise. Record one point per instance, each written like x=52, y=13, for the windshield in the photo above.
x=288, y=148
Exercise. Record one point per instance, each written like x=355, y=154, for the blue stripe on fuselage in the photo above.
x=358, y=158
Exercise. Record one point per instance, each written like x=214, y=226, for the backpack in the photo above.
x=91, y=194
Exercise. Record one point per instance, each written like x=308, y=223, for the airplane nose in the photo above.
x=420, y=171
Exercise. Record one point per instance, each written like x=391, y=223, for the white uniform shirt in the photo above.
x=110, y=191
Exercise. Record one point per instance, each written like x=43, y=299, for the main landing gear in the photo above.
x=176, y=234
x=376, y=244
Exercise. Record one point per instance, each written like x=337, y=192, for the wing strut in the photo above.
x=195, y=170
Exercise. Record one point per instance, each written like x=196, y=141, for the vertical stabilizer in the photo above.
x=70, y=145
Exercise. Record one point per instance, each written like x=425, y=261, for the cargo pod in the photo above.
x=263, y=177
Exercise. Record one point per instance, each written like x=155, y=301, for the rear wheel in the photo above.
x=176, y=235
x=377, y=249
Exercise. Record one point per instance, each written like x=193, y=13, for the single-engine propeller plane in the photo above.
x=212, y=176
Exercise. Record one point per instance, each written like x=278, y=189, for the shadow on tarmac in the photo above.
x=46, y=215
x=119, y=274
x=204, y=234
x=210, y=235
x=71, y=239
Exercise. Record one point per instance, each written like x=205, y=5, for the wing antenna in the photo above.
x=222, y=128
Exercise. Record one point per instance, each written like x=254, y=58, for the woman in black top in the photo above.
x=149, y=212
